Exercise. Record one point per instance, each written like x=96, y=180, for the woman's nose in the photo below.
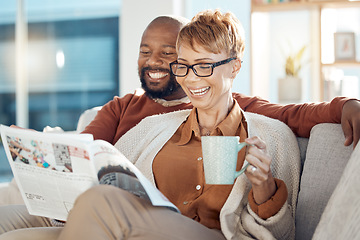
x=191, y=76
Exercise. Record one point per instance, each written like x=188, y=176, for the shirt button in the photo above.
x=198, y=187
x=186, y=202
x=199, y=158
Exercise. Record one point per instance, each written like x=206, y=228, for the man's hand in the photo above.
x=14, y=126
x=350, y=122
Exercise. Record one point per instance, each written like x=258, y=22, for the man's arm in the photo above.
x=302, y=117
x=105, y=122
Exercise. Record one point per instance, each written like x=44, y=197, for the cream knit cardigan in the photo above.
x=141, y=144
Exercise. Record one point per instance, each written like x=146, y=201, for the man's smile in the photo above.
x=157, y=75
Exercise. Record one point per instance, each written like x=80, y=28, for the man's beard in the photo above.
x=169, y=89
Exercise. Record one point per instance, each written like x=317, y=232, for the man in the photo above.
x=163, y=94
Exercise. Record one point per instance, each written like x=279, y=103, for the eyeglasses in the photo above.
x=200, y=69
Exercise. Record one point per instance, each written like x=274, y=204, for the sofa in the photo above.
x=323, y=157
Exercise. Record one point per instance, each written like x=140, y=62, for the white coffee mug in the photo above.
x=220, y=158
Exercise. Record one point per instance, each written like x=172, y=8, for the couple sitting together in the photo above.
x=204, y=55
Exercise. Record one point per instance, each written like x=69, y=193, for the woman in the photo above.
x=167, y=149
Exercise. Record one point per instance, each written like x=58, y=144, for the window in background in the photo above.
x=72, y=60
x=7, y=73
x=73, y=66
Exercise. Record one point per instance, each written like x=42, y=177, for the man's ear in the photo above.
x=236, y=67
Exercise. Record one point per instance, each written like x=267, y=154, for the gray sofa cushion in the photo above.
x=341, y=216
x=303, y=143
x=322, y=170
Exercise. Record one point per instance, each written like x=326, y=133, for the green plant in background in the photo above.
x=293, y=63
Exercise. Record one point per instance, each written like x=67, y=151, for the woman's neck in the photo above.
x=209, y=118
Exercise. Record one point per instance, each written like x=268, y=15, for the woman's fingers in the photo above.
x=259, y=160
x=256, y=141
x=259, y=172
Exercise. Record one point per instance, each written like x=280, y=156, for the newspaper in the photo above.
x=53, y=169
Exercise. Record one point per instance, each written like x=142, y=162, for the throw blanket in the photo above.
x=141, y=144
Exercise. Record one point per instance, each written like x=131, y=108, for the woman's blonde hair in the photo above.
x=215, y=32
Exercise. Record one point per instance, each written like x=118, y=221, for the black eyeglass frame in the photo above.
x=213, y=65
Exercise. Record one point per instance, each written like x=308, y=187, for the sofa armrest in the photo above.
x=86, y=117
x=326, y=157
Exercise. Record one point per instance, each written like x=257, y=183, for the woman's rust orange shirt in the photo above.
x=179, y=175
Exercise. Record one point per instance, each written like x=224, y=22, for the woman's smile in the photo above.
x=198, y=92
